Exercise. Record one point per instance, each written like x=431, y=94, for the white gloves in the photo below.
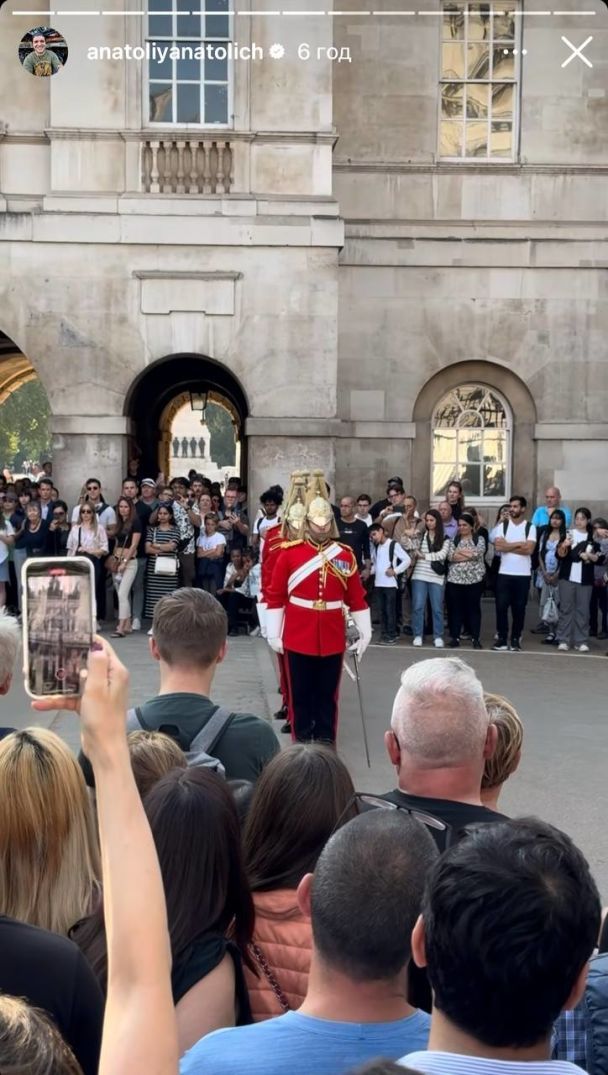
x=274, y=628
x=363, y=623
x=261, y=610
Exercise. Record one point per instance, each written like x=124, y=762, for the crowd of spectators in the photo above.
x=426, y=573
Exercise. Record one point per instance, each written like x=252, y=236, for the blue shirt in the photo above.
x=300, y=1045
x=542, y=514
x=436, y=1063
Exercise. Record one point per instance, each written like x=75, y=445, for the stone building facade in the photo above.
x=395, y=265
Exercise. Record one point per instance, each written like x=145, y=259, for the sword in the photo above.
x=361, y=709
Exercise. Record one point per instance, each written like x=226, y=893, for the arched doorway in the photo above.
x=165, y=389
x=25, y=438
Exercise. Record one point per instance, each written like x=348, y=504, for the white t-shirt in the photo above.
x=9, y=531
x=210, y=541
x=107, y=517
x=576, y=570
x=513, y=563
x=381, y=562
x=367, y=519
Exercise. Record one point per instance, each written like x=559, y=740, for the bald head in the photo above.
x=439, y=718
x=553, y=497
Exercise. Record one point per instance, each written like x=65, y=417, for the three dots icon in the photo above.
x=515, y=52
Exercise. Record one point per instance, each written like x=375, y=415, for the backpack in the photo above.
x=399, y=579
x=203, y=744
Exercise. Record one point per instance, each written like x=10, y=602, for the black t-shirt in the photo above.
x=125, y=537
x=144, y=512
x=379, y=506
x=356, y=536
x=456, y=815
x=52, y=974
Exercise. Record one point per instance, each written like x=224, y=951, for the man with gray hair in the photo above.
x=10, y=640
x=439, y=740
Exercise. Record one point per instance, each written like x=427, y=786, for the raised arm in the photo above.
x=140, y=1030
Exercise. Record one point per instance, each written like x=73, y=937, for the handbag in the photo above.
x=550, y=609
x=165, y=564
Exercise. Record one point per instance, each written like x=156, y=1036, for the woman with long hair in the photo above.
x=466, y=580
x=162, y=539
x=123, y=561
x=30, y=539
x=89, y=538
x=428, y=577
x=298, y=800
x=195, y=827
x=578, y=554
x=49, y=858
x=551, y=537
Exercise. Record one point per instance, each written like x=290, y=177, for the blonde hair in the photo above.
x=29, y=1042
x=94, y=516
x=509, y=740
x=152, y=755
x=49, y=857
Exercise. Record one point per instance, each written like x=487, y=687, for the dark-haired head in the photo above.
x=582, y=520
x=366, y=894
x=437, y=538
x=556, y=515
x=301, y=794
x=196, y=831
x=510, y=918
x=274, y=495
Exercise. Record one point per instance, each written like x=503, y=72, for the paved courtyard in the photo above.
x=562, y=699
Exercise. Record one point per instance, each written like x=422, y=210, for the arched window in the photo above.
x=472, y=428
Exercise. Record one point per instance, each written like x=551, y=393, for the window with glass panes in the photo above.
x=472, y=442
x=189, y=90
x=479, y=71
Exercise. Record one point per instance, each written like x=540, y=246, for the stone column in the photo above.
x=89, y=446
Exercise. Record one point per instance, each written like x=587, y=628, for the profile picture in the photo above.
x=43, y=51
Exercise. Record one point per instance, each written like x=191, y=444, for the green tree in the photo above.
x=24, y=427
x=223, y=446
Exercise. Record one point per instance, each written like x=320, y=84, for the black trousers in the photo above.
x=464, y=607
x=314, y=684
x=233, y=603
x=511, y=593
x=387, y=599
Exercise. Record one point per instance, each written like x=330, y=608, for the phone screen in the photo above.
x=58, y=624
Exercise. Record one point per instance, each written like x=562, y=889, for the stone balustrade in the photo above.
x=187, y=166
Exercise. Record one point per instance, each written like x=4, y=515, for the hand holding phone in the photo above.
x=58, y=624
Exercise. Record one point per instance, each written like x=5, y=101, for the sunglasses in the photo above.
x=361, y=802
x=92, y=488
x=86, y=511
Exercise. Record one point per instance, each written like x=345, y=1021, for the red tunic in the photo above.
x=273, y=541
x=319, y=633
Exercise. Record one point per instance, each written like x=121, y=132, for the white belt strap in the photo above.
x=320, y=606
x=313, y=565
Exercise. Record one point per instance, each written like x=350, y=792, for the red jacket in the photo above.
x=316, y=632
x=273, y=540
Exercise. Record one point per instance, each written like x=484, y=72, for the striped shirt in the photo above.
x=423, y=571
x=436, y=1063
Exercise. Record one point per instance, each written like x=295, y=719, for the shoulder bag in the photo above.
x=165, y=563
x=270, y=978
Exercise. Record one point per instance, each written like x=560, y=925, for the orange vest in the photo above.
x=284, y=936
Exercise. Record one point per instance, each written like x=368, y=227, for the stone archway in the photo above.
x=163, y=387
x=166, y=423
x=493, y=376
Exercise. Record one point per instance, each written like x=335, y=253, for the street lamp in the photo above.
x=198, y=404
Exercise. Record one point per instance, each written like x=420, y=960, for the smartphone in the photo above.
x=59, y=617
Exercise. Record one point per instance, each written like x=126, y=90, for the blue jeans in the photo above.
x=420, y=591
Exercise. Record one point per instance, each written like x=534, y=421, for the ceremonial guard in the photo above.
x=314, y=583
x=275, y=539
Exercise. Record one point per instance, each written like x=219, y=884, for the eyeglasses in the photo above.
x=92, y=488
x=86, y=511
x=361, y=802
